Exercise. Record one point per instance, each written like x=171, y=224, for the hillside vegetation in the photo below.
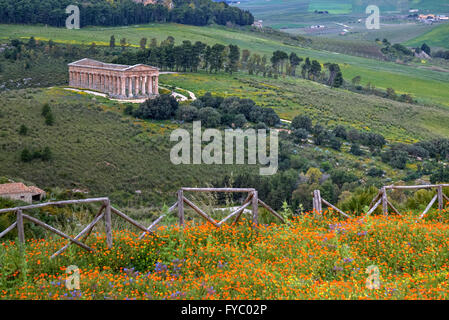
x=437, y=37
x=290, y=97
x=94, y=148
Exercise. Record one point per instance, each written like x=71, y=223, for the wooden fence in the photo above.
x=382, y=199
x=104, y=213
x=251, y=199
x=106, y=210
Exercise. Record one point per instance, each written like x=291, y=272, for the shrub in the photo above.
x=210, y=117
x=49, y=119
x=239, y=120
x=187, y=113
x=23, y=131
x=162, y=107
x=300, y=134
x=26, y=155
x=45, y=109
x=375, y=172
x=302, y=122
x=355, y=150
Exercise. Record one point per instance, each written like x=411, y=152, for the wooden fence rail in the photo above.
x=105, y=213
x=106, y=210
x=381, y=199
x=318, y=202
x=251, y=200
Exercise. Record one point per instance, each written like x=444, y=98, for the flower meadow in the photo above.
x=307, y=258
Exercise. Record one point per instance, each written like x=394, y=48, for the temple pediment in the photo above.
x=91, y=63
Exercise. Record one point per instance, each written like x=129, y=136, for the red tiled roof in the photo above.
x=18, y=187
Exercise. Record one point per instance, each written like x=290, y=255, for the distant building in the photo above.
x=413, y=10
x=145, y=2
x=19, y=191
x=442, y=17
x=258, y=24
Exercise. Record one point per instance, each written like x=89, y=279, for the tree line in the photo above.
x=122, y=12
x=192, y=57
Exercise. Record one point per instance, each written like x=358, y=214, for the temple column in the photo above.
x=111, y=85
x=150, y=85
x=156, y=85
x=103, y=79
x=147, y=85
x=108, y=84
x=130, y=87
x=137, y=86
x=112, y=89
x=122, y=87
x=144, y=85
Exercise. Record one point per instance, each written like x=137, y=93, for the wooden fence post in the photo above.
x=255, y=201
x=440, y=198
x=317, y=204
x=384, y=201
x=20, y=230
x=108, y=223
x=181, y=208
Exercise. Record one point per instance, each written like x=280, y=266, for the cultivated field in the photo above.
x=437, y=37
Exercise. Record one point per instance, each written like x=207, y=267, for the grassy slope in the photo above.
x=437, y=37
x=102, y=151
x=290, y=97
x=426, y=85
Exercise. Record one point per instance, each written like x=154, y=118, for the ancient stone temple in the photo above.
x=116, y=80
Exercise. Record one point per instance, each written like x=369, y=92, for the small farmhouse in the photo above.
x=19, y=191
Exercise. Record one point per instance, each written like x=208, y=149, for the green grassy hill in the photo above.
x=437, y=37
x=292, y=96
x=94, y=147
x=424, y=84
